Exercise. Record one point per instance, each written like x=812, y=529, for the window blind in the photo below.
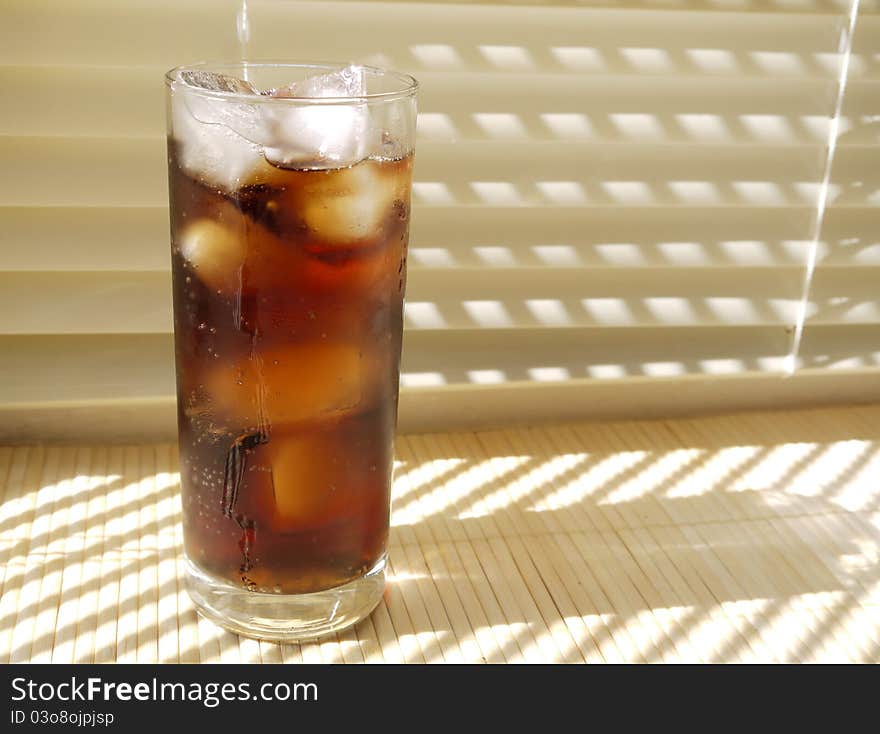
x=619, y=208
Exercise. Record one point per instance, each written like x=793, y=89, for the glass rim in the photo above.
x=409, y=84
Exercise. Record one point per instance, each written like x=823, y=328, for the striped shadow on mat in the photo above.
x=748, y=537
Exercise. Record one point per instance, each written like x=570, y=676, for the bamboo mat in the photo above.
x=752, y=537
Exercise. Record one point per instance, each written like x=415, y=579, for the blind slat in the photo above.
x=124, y=239
x=110, y=365
x=115, y=367
x=122, y=172
x=139, y=365
x=759, y=7
x=841, y=347
x=85, y=303
x=98, y=364
x=84, y=239
x=128, y=102
x=105, y=32
x=534, y=27
x=139, y=31
x=139, y=302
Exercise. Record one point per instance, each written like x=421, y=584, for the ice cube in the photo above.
x=305, y=485
x=224, y=141
x=215, y=253
x=302, y=382
x=231, y=253
x=349, y=205
x=215, y=82
x=323, y=475
x=349, y=81
x=219, y=139
x=320, y=134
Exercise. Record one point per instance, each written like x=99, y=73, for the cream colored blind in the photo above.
x=618, y=206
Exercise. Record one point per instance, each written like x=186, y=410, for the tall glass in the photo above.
x=290, y=202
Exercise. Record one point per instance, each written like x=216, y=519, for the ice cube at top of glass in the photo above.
x=290, y=203
x=333, y=119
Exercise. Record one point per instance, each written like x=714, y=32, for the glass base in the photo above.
x=285, y=617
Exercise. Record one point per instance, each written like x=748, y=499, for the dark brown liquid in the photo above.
x=288, y=297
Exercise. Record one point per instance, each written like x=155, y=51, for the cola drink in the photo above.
x=289, y=273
